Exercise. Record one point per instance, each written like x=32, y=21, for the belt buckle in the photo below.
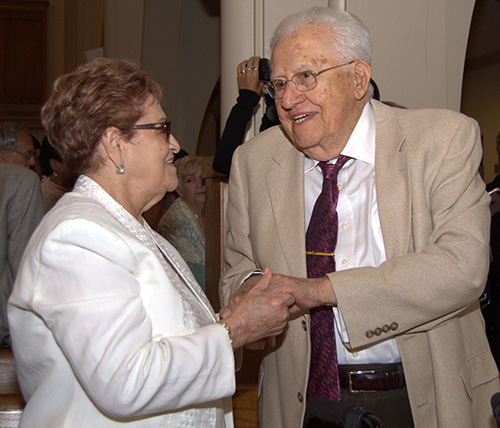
x=350, y=373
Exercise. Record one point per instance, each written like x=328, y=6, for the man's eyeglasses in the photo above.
x=303, y=81
x=161, y=126
x=28, y=155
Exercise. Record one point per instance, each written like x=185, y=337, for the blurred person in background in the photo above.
x=183, y=225
x=57, y=178
x=16, y=145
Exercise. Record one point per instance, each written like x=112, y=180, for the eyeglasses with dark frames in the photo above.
x=28, y=155
x=160, y=126
x=303, y=81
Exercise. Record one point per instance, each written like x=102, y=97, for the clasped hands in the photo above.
x=260, y=310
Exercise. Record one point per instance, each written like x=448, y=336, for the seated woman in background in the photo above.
x=183, y=225
x=57, y=178
x=109, y=327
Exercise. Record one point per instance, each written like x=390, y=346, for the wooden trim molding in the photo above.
x=23, y=60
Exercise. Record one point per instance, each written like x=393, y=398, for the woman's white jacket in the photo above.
x=110, y=328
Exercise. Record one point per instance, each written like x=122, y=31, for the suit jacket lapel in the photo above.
x=392, y=182
x=285, y=185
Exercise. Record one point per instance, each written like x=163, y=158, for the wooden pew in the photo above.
x=11, y=400
x=245, y=401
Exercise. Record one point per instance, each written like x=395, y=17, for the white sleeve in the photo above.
x=88, y=292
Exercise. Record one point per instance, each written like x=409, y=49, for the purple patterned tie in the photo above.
x=321, y=240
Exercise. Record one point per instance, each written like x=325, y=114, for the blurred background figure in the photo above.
x=57, y=177
x=16, y=145
x=183, y=225
x=37, y=167
x=21, y=210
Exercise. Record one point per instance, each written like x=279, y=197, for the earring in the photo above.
x=120, y=169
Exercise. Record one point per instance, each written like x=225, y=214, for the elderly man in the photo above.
x=21, y=209
x=16, y=145
x=395, y=194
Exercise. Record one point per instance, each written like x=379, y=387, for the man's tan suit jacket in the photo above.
x=435, y=223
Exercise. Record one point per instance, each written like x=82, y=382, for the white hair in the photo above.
x=351, y=39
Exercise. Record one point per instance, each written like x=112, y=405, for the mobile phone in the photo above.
x=264, y=70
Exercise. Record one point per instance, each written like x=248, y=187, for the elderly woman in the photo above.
x=183, y=225
x=109, y=326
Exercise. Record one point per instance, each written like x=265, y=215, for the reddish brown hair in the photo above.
x=84, y=103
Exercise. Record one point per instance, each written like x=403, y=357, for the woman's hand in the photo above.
x=257, y=313
x=248, y=75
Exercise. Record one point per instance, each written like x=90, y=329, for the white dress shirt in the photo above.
x=360, y=242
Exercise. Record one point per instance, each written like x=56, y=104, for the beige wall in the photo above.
x=418, y=51
x=181, y=49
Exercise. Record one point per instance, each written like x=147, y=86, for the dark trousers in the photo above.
x=391, y=406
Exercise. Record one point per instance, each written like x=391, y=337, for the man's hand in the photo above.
x=308, y=292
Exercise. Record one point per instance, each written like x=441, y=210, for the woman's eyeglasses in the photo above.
x=161, y=126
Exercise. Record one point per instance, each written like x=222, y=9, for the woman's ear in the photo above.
x=363, y=73
x=112, y=143
x=53, y=165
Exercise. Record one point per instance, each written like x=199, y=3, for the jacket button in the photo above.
x=304, y=325
x=377, y=331
x=369, y=334
x=394, y=326
x=300, y=397
x=385, y=328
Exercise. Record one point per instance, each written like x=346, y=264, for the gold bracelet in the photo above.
x=224, y=324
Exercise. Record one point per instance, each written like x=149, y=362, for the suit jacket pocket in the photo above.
x=478, y=370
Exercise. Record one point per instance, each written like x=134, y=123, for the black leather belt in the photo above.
x=371, y=377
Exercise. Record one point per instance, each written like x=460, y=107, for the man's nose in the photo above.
x=291, y=96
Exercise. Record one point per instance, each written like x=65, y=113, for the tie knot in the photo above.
x=331, y=170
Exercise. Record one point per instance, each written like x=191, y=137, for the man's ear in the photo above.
x=363, y=72
x=113, y=145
